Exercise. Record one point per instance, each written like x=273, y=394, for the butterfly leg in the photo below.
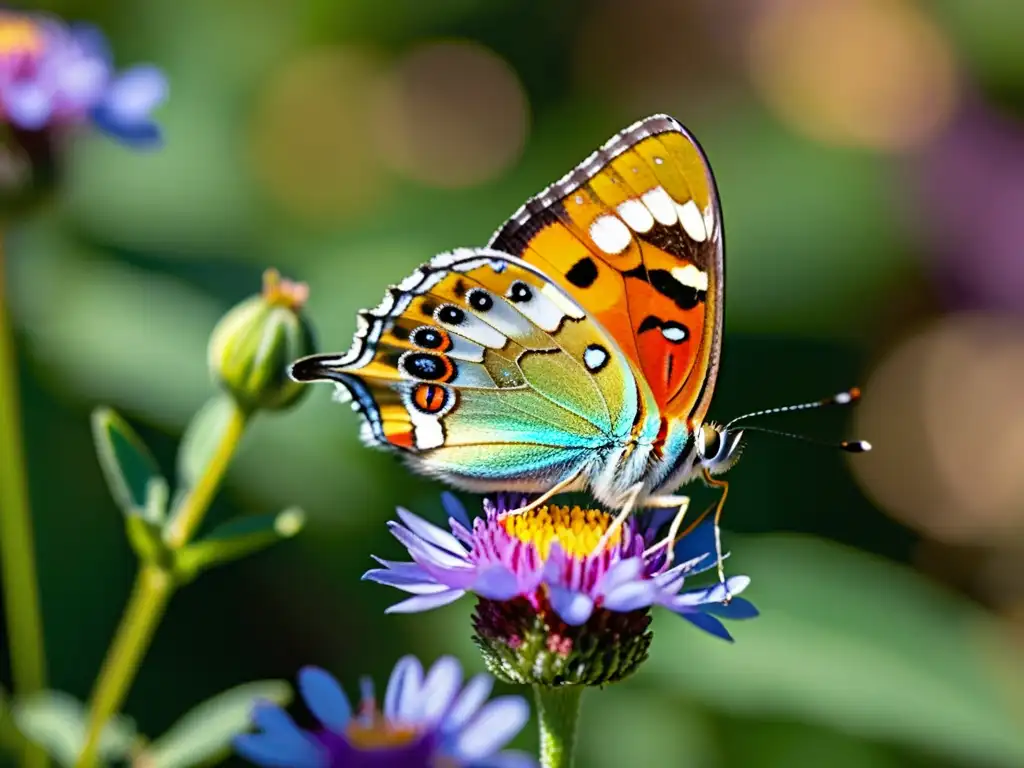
x=627, y=508
x=715, y=483
x=683, y=503
x=543, y=499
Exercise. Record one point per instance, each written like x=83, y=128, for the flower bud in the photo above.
x=255, y=341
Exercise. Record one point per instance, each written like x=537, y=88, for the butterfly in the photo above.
x=577, y=351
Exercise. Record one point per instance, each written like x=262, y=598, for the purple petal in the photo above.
x=468, y=703
x=144, y=135
x=574, y=607
x=492, y=728
x=622, y=572
x=454, y=508
x=737, y=608
x=631, y=597
x=698, y=542
x=507, y=760
x=496, y=582
x=439, y=689
x=27, y=106
x=325, y=698
x=426, y=602
x=461, y=532
x=422, y=550
x=266, y=750
x=714, y=594
x=403, y=688
x=412, y=570
x=413, y=585
x=708, y=623
x=136, y=93
x=430, y=532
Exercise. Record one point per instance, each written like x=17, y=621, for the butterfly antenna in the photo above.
x=847, y=397
x=850, y=446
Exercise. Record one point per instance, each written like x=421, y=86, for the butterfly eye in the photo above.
x=480, y=300
x=450, y=315
x=428, y=338
x=709, y=442
x=519, y=292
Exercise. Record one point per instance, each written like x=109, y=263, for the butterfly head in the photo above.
x=718, y=447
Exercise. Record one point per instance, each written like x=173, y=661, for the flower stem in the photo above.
x=17, y=544
x=558, y=710
x=151, y=593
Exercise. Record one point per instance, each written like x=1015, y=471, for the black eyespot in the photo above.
x=422, y=365
x=428, y=338
x=519, y=292
x=481, y=301
x=451, y=315
x=583, y=273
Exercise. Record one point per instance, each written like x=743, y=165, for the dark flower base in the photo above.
x=526, y=645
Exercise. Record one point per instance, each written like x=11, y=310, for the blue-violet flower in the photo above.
x=429, y=720
x=551, y=610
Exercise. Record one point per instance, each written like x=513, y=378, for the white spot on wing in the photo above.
x=594, y=357
x=610, y=234
x=674, y=334
x=691, y=277
x=692, y=221
x=660, y=205
x=635, y=213
x=474, y=329
x=426, y=430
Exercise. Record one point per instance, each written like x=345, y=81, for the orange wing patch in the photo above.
x=634, y=234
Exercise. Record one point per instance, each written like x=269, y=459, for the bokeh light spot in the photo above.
x=450, y=114
x=310, y=133
x=945, y=414
x=871, y=73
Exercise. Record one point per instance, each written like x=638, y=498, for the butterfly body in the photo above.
x=578, y=350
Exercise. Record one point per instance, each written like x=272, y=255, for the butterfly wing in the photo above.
x=634, y=235
x=482, y=371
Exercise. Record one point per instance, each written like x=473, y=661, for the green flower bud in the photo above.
x=255, y=341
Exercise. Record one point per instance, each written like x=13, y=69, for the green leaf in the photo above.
x=852, y=642
x=237, y=538
x=205, y=732
x=130, y=469
x=58, y=723
x=202, y=436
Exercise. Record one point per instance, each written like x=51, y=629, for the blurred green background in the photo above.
x=871, y=165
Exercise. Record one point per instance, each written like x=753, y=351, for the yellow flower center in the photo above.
x=380, y=734
x=19, y=35
x=577, y=530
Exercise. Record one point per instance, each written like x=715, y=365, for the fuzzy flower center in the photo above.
x=577, y=530
x=377, y=732
x=19, y=36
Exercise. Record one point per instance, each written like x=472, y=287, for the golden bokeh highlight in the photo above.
x=945, y=414
x=450, y=114
x=867, y=73
x=309, y=135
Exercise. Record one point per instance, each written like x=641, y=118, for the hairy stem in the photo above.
x=558, y=710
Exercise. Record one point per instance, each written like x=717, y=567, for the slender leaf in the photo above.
x=58, y=723
x=201, y=438
x=236, y=539
x=130, y=469
x=205, y=732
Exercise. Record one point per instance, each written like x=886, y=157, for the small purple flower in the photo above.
x=53, y=75
x=429, y=719
x=545, y=595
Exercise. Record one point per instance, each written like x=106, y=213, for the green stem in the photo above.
x=558, y=710
x=152, y=591
x=17, y=544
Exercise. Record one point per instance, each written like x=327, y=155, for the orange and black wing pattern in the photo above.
x=634, y=234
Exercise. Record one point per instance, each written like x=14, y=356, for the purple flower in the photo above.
x=429, y=719
x=546, y=595
x=53, y=75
